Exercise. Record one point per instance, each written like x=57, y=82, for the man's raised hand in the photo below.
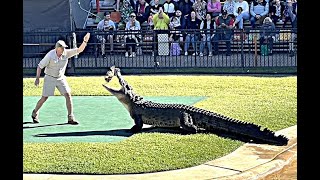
x=86, y=37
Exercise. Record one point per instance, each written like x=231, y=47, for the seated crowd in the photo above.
x=214, y=19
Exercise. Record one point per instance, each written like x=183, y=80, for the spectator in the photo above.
x=276, y=9
x=134, y=5
x=175, y=34
x=143, y=11
x=55, y=63
x=292, y=11
x=224, y=32
x=132, y=39
x=117, y=5
x=155, y=8
x=229, y=6
x=286, y=15
x=259, y=10
x=192, y=24
x=206, y=25
x=293, y=17
x=169, y=8
x=126, y=9
x=241, y=12
x=161, y=20
x=185, y=6
x=200, y=8
x=176, y=20
x=267, y=33
x=176, y=3
x=214, y=7
x=108, y=26
x=176, y=24
x=151, y=3
x=294, y=6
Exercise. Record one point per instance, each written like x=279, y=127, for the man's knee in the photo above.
x=67, y=95
x=44, y=98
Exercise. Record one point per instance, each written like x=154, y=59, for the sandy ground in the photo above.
x=289, y=172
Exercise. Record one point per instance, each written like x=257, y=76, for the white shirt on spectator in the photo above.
x=101, y=25
x=244, y=5
x=229, y=6
x=168, y=8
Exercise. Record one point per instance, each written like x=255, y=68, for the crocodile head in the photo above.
x=125, y=94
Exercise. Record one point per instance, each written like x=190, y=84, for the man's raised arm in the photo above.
x=84, y=43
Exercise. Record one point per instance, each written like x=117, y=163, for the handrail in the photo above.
x=87, y=11
x=85, y=23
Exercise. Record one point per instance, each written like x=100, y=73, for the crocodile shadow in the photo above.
x=223, y=134
x=128, y=133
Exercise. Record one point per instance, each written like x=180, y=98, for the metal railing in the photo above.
x=153, y=49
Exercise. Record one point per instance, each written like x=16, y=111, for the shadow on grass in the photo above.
x=118, y=132
x=39, y=126
x=128, y=133
x=28, y=122
x=223, y=134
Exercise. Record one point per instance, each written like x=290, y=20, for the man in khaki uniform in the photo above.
x=55, y=63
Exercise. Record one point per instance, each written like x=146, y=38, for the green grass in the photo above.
x=267, y=101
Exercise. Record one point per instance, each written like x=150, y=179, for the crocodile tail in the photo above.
x=244, y=131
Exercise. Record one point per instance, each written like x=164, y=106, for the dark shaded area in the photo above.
x=28, y=123
x=221, y=133
x=247, y=139
x=40, y=126
x=53, y=15
x=118, y=132
x=128, y=133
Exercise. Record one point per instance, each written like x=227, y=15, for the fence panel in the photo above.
x=147, y=49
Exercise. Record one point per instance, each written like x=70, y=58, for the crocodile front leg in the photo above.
x=186, y=123
x=138, y=124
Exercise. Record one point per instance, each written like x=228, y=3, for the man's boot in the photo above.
x=35, y=117
x=71, y=120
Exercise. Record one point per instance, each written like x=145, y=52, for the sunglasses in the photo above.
x=132, y=16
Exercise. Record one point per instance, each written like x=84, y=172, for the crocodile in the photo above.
x=186, y=117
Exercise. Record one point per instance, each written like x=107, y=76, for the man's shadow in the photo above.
x=39, y=126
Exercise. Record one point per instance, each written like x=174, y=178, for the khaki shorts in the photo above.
x=50, y=83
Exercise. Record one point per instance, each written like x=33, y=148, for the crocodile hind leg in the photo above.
x=186, y=123
x=138, y=124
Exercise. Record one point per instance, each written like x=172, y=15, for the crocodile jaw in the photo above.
x=121, y=96
x=118, y=93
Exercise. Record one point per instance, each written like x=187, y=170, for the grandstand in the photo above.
x=281, y=43
x=244, y=53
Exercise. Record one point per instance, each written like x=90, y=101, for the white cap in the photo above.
x=62, y=43
x=267, y=19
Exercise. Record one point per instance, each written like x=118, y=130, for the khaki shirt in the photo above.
x=54, y=65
